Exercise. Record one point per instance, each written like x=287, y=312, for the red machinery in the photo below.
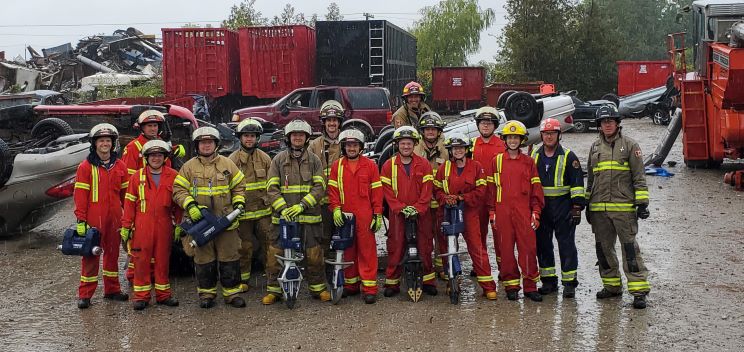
x=712, y=96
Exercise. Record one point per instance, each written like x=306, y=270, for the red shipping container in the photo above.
x=494, y=90
x=457, y=88
x=635, y=76
x=200, y=61
x=276, y=60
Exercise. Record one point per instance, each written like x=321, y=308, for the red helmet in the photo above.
x=549, y=125
x=413, y=88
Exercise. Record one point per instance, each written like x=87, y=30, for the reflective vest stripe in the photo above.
x=141, y=189
x=394, y=181
x=445, y=183
x=497, y=177
x=340, y=181
x=94, y=183
x=558, y=189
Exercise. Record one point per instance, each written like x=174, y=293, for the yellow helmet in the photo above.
x=514, y=127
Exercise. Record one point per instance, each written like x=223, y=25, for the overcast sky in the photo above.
x=48, y=23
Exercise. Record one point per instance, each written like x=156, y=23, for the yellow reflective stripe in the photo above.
x=274, y=181
x=273, y=289
x=278, y=203
x=111, y=273
x=212, y=290
x=577, y=192
x=392, y=281
x=611, y=165
x=145, y=288
x=438, y=261
x=131, y=171
x=162, y=287
x=310, y=200
x=340, y=181
x=429, y=276
x=641, y=194
x=82, y=185
x=230, y=291
x=351, y=280
x=237, y=198
x=394, y=181
x=480, y=182
x=555, y=191
x=437, y=184
x=638, y=286
x=485, y=278
x=255, y=186
x=535, y=180
x=138, y=145
x=296, y=189
x=212, y=191
x=319, y=179
x=125, y=185
x=252, y=215
x=317, y=287
x=428, y=178
x=547, y=272
x=489, y=179
x=560, y=169
x=332, y=183
x=433, y=204
x=303, y=219
x=94, y=180
x=130, y=265
x=182, y=181
x=497, y=176
x=445, y=182
x=376, y=184
x=514, y=282
x=568, y=275
x=88, y=278
x=141, y=190
x=627, y=207
x=245, y=276
x=612, y=281
x=130, y=197
x=385, y=180
x=369, y=283
x=187, y=200
x=236, y=179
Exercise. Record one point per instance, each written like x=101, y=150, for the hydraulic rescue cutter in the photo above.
x=86, y=246
x=452, y=227
x=342, y=238
x=209, y=227
x=412, y=266
x=291, y=277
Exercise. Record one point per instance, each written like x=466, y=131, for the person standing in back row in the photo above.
x=413, y=107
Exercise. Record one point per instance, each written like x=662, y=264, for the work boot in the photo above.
x=349, y=292
x=608, y=294
x=569, y=291
x=391, y=291
x=206, y=302
x=512, y=295
x=269, y=299
x=491, y=295
x=84, y=303
x=430, y=290
x=547, y=288
x=639, y=302
x=370, y=299
x=122, y=297
x=442, y=275
x=170, y=302
x=323, y=296
x=472, y=273
x=244, y=288
x=534, y=296
x=139, y=305
x=237, y=302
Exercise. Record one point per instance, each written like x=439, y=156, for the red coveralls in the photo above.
x=355, y=187
x=134, y=161
x=518, y=194
x=471, y=185
x=150, y=211
x=98, y=197
x=400, y=190
x=484, y=152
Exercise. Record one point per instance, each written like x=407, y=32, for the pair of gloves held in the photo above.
x=339, y=219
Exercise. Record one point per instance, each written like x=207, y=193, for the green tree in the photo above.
x=244, y=14
x=289, y=16
x=334, y=13
x=449, y=32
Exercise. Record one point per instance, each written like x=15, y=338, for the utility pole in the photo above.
x=367, y=16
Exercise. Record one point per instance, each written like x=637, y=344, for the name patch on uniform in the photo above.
x=440, y=161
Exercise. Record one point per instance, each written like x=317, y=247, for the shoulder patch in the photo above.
x=638, y=153
x=576, y=164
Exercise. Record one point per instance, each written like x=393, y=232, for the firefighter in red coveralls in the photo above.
x=461, y=179
x=518, y=201
x=407, y=187
x=100, y=184
x=483, y=149
x=149, y=208
x=354, y=187
x=152, y=124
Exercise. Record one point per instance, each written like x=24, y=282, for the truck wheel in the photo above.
x=580, y=126
x=522, y=107
x=51, y=127
x=613, y=98
x=386, y=154
x=383, y=140
x=501, y=102
x=6, y=163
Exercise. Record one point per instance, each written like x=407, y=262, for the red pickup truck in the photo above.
x=367, y=108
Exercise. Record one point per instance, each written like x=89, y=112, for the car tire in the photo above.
x=6, y=162
x=580, y=126
x=613, y=98
x=522, y=107
x=501, y=102
x=383, y=140
x=51, y=127
x=386, y=154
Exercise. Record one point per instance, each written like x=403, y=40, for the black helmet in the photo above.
x=607, y=111
x=431, y=119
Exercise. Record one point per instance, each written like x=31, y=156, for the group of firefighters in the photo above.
x=525, y=200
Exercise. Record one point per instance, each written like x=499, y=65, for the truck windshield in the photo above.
x=368, y=99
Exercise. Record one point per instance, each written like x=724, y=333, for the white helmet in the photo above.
x=150, y=116
x=351, y=133
x=104, y=130
x=155, y=146
x=205, y=133
x=298, y=126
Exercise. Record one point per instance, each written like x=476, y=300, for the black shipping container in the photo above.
x=361, y=53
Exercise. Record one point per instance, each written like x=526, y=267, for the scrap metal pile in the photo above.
x=117, y=59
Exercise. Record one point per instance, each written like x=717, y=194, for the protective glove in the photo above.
x=177, y=233
x=450, y=199
x=535, y=221
x=576, y=215
x=376, y=223
x=234, y=225
x=194, y=212
x=338, y=217
x=125, y=232
x=642, y=212
x=292, y=212
x=409, y=211
x=81, y=228
x=179, y=151
x=239, y=205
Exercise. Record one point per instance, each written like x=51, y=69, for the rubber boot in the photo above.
x=639, y=302
x=206, y=281
x=391, y=291
x=534, y=296
x=84, y=303
x=169, y=302
x=370, y=299
x=230, y=280
x=350, y=292
x=512, y=295
x=119, y=296
x=206, y=302
x=139, y=305
x=244, y=287
x=430, y=290
x=608, y=294
x=269, y=299
x=549, y=285
x=237, y=302
x=569, y=291
x=491, y=295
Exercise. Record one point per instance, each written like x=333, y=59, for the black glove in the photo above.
x=576, y=215
x=642, y=211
